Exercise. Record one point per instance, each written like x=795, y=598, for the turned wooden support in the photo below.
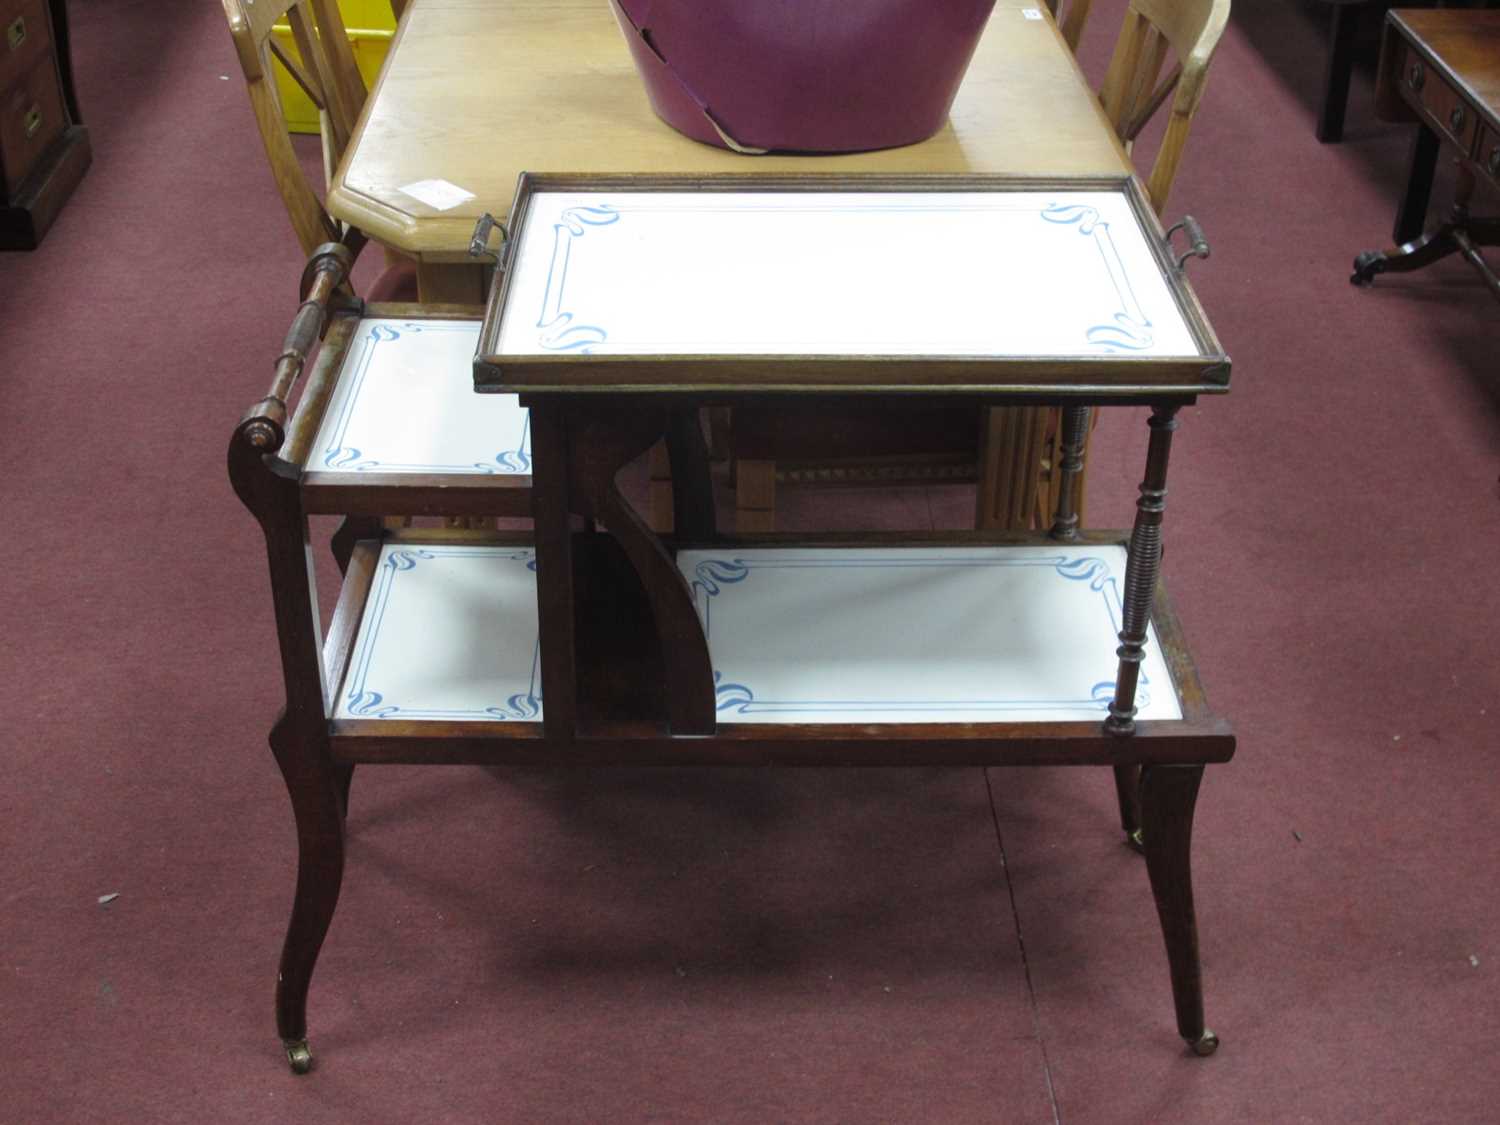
x=1075, y=429
x=1141, y=571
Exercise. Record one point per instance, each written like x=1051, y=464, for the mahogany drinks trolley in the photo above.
x=621, y=307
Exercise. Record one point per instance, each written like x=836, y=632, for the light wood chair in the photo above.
x=1133, y=90
x=324, y=67
x=1019, y=448
x=1074, y=13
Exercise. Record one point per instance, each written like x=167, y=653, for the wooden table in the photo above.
x=1441, y=69
x=1344, y=34
x=476, y=91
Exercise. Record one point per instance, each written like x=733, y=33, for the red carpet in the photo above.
x=754, y=946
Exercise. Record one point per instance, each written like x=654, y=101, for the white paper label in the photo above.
x=1031, y=13
x=440, y=195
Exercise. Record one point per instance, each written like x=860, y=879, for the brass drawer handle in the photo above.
x=15, y=32
x=1456, y=119
x=1416, y=78
x=33, y=121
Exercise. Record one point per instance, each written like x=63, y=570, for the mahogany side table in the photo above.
x=1441, y=69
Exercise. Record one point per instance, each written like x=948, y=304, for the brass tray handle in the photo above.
x=1198, y=243
x=479, y=242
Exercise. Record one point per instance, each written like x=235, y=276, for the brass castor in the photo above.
x=1205, y=1045
x=1136, y=840
x=298, y=1055
x=1366, y=266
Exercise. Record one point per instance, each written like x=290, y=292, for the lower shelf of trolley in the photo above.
x=831, y=651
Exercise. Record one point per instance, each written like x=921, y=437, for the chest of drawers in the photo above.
x=44, y=148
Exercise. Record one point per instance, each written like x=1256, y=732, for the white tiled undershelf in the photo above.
x=890, y=635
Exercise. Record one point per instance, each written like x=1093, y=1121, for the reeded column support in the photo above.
x=1075, y=429
x=1141, y=571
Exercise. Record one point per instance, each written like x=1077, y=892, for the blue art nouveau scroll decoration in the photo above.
x=338, y=453
x=368, y=696
x=582, y=285
x=559, y=332
x=1129, y=330
x=716, y=578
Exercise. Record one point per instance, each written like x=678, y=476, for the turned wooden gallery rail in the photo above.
x=597, y=641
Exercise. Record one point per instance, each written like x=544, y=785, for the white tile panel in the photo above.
x=1004, y=273
x=449, y=632
x=405, y=403
x=868, y=635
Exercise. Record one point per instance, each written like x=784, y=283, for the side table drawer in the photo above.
x=31, y=118
x=1428, y=93
x=1487, y=155
x=25, y=36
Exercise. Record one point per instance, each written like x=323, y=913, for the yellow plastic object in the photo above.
x=376, y=14
x=370, y=24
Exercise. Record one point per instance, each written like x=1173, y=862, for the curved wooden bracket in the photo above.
x=596, y=440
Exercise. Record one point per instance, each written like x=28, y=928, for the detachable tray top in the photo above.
x=808, y=285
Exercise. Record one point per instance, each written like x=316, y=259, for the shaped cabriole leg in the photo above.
x=317, y=804
x=1168, y=796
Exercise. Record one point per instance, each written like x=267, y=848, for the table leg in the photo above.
x=692, y=484
x=450, y=283
x=1343, y=34
x=1128, y=794
x=1447, y=239
x=1168, y=796
x=317, y=786
x=318, y=801
x=1411, y=215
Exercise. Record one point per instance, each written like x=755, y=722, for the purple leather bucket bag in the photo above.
x=803, y=75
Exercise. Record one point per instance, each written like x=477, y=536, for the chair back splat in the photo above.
x=324, y=67
x=1135, y=86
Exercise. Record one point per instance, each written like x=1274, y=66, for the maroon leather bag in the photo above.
x=803, y=75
